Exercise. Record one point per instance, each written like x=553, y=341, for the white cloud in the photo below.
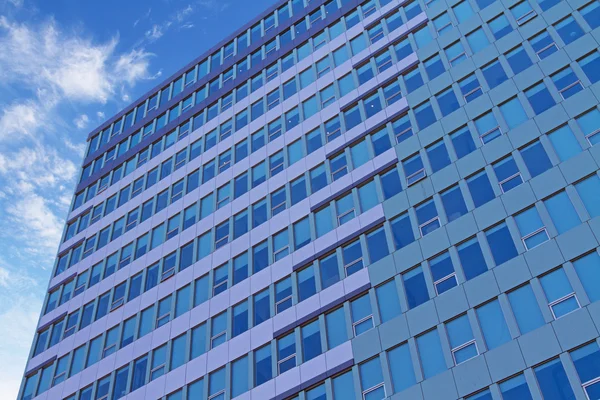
x=154, y=33
x=158, y=30
x=81, y=121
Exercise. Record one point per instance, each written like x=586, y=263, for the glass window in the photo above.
x=447, y=101
x=564, y=143
x=442, y=272
x=477, y=40
x=262, y=307
x=442, y=23
x=462, y=342
x=532, y=229
x=239, y=378
x=311, y=341
x=455, y=54
x=500, y=26
x=343, y=387
x=362, y=316
x=454, y=203
x=513, y=112
x=262, y=365
x=387, y=300
x=401, y=367
x=283, y=295
x=415, y=287
x=329, y=271
x=470, y=88
x=540, y=98
x=559, y=293
x=588, y=270
x=371, y=380
x=218, y=330
x=424, y=115
x=286, y=353
x=471, y=258
x=589, y=192
x=431, y=354
x=523, y=12
x=525, y=309
x=352, y=257
x=566, y=82
x=493, y=325
x=434, y=67
x=587, y=365
x=413, y=80
x=508, y=174
x=562, y=212
x=377, y=245
x=301, y=233
x=462, y=11
x=501, y=244
x=306, y=283
x=488, y=127
x=240, y=319
x=494, y=74
x=590, y=65
x=518, y=59
x=216, y=385
x=515, y=389
x=589, y=123
x=414, y=170
x=462, y=141
x=543, y=44
x=553, y=382
x=337, y=333
x=427, y=217
x=402, y=231
x=568, y=29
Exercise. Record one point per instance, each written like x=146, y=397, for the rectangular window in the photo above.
x=455, y=53
x=587, y=361
x=560, y=295
x=283, y=295
x=513, y=112
x=564, y=143
x=508, y=174
x=562, y=212
x=525, y=309
x=415, y=287
x=488, y=127
x=543, y=44
x=362, y=316
x=218, y=334
x=262, y=365
x=589, y=123
x=552, y=380
x=462, y=341
x=470, y=88
x=540, y=98
x=414, y=170
x=430, y=352
x=286, y=353
x=494, y=74
x=311, y=341
x=427, y=217
x=493, y=325
x=532, y=229
x=500, y=243
x=371, y=379
x=568, y=29
x=566, y=82
x=515, y=389
x=500, y=26
x=590, y=65
x=442, y=272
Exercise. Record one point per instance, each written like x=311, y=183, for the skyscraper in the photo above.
x=344, y=200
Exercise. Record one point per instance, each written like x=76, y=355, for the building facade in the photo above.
x=345, y=200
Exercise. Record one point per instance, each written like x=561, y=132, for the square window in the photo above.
x=540, y=98
x=567, y=82
x=470, y=88
x=568, y=29
x=500, y=26
x=455, y=53
x=543, y=45
x=508, y=174
x=532, y=229
x=494, y=74
x=523, y=12
x=518, y=59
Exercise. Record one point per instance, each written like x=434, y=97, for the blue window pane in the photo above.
x=413, y=80
x=462, y=11
x=515, y=389
x=402, y=231
x=442, y=272
x=460, y=334
x=559, y=293
x=239, y=379
x=477, y=40
x=562, y=212
x=590, y=65
x=431, y=354
x=415, y=287
x=367, y=196
x=455, y=53
x=501, y=244
x=343, y=387
x=493, y=325
x=401, y=368
x=470, y=88
x=500, y=26
x=240, y=319
x=513, y=113
x=377, y=245
x=484, y=3
x=589, y=192
x=540, y=98
x=306, y=283
x=262, y=307
x=471, y=259
x=434, y=67
x=569, y=30
x=317, y=393
x=454, y=203
x=371, y=376
x=424, y=115
x=336, y=328
x=564, y=142
x=362, y=319
x=588, y=270
x=427, y=217
x=485, y=395
x=589, y=124
x=494, y=74
x=508, y=174
x=530, y=226
x=587, y=365
x=463, y=142
x=553, y=381
x=487, y=127
x=543, y=44
x=387, y=299
x=567, y=82
x=480, y=189
x=438, y=156
x=262, y=365
x=329, y=271
x=518, y=59
x=447, y=101
x=311, y=341
x=390, y=182
x=525, y=309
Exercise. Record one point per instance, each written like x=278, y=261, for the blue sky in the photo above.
x=65, y=67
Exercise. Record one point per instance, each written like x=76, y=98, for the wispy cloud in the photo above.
x=174, y=20
x=41, y=146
